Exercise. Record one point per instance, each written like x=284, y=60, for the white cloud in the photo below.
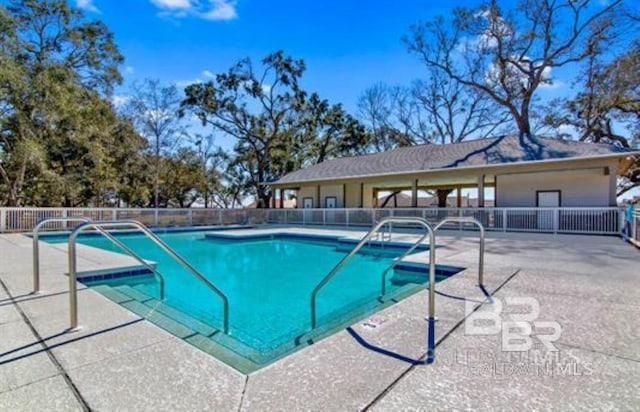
x=172, y=4
x=208, y=74
x=204, y=9
x=87, y=5
x=221, y=10
x=129, y=70
x=120, y=100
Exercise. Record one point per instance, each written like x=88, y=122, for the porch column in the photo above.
x=481, y=191
x=375, y=198
x=459, y=197
x=414, y=193
x=281, y=198
x=613, y=184
x=318, y=197
x=361, y=201
x=344, y=196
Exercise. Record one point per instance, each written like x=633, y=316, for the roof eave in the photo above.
x=279, y=184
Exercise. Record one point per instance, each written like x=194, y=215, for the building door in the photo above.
x=548, y=219
x=330, y=202
x=307, y=203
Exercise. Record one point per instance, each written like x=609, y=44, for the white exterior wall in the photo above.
x=583, y=187
x=336, y=191
x=307, y=191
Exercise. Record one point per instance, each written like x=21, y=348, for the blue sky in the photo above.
x=347, y=45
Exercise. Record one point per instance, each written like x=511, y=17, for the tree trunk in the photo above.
x=442, y=195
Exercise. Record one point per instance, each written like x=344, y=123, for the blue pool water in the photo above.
x=268, y=283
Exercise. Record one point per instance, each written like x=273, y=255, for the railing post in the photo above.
x=324, y=217
x=504, y=220
x=155, y=217
x=3, y=220
x=556, y=220
x=190, y=217
x=346, y=217
x=114, y=214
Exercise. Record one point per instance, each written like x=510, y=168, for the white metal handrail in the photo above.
x=481, y=227
x=73, y=292
x=109, y=236
x=432, y=274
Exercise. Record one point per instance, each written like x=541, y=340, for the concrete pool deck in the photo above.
x=590, y=285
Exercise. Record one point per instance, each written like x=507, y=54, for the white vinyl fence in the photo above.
x=607, y=220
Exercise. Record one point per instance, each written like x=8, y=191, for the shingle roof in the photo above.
x=482, y=152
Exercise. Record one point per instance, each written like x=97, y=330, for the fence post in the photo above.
x=114, y=214
x=324, y=217
x=504, y=220
x=155, y=217
x=190, y=217
x=3, y=220
x=346, y=217
x=556, y=220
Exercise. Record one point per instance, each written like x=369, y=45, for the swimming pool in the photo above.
x=268, y=280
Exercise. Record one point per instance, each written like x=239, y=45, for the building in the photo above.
x=523, y=172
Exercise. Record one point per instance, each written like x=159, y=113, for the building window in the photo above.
x=548, y=198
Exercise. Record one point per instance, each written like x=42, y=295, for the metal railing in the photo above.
x=432, y=273
x=114, y=240
x=36, y=245
x=100, y=226
x=476, y=222
x=579, y=220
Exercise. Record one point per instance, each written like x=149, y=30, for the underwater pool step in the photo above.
x=112, y=294
x=189, y=321
x=221, y=352
x=154, y=316
x=133, y=293
x=183, y=325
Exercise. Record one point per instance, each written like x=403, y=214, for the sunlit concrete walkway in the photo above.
x=589, y=285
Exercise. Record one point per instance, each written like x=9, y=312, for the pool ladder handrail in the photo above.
x=114, y=240
x=472, y=220
x=383, y=286
x=432, y=273
x=100, y=226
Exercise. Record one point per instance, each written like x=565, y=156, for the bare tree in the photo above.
x=454, y=112
x=153, y=108
x=377, y=110
x=507, y=55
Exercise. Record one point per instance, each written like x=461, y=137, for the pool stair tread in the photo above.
x=112, y=293
x=179, y=323
x=181, y=317
x=154, y=316
x=223, y=353
x=132, y=292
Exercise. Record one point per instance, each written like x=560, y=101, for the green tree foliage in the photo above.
x=272, y=119
x=55, y=124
